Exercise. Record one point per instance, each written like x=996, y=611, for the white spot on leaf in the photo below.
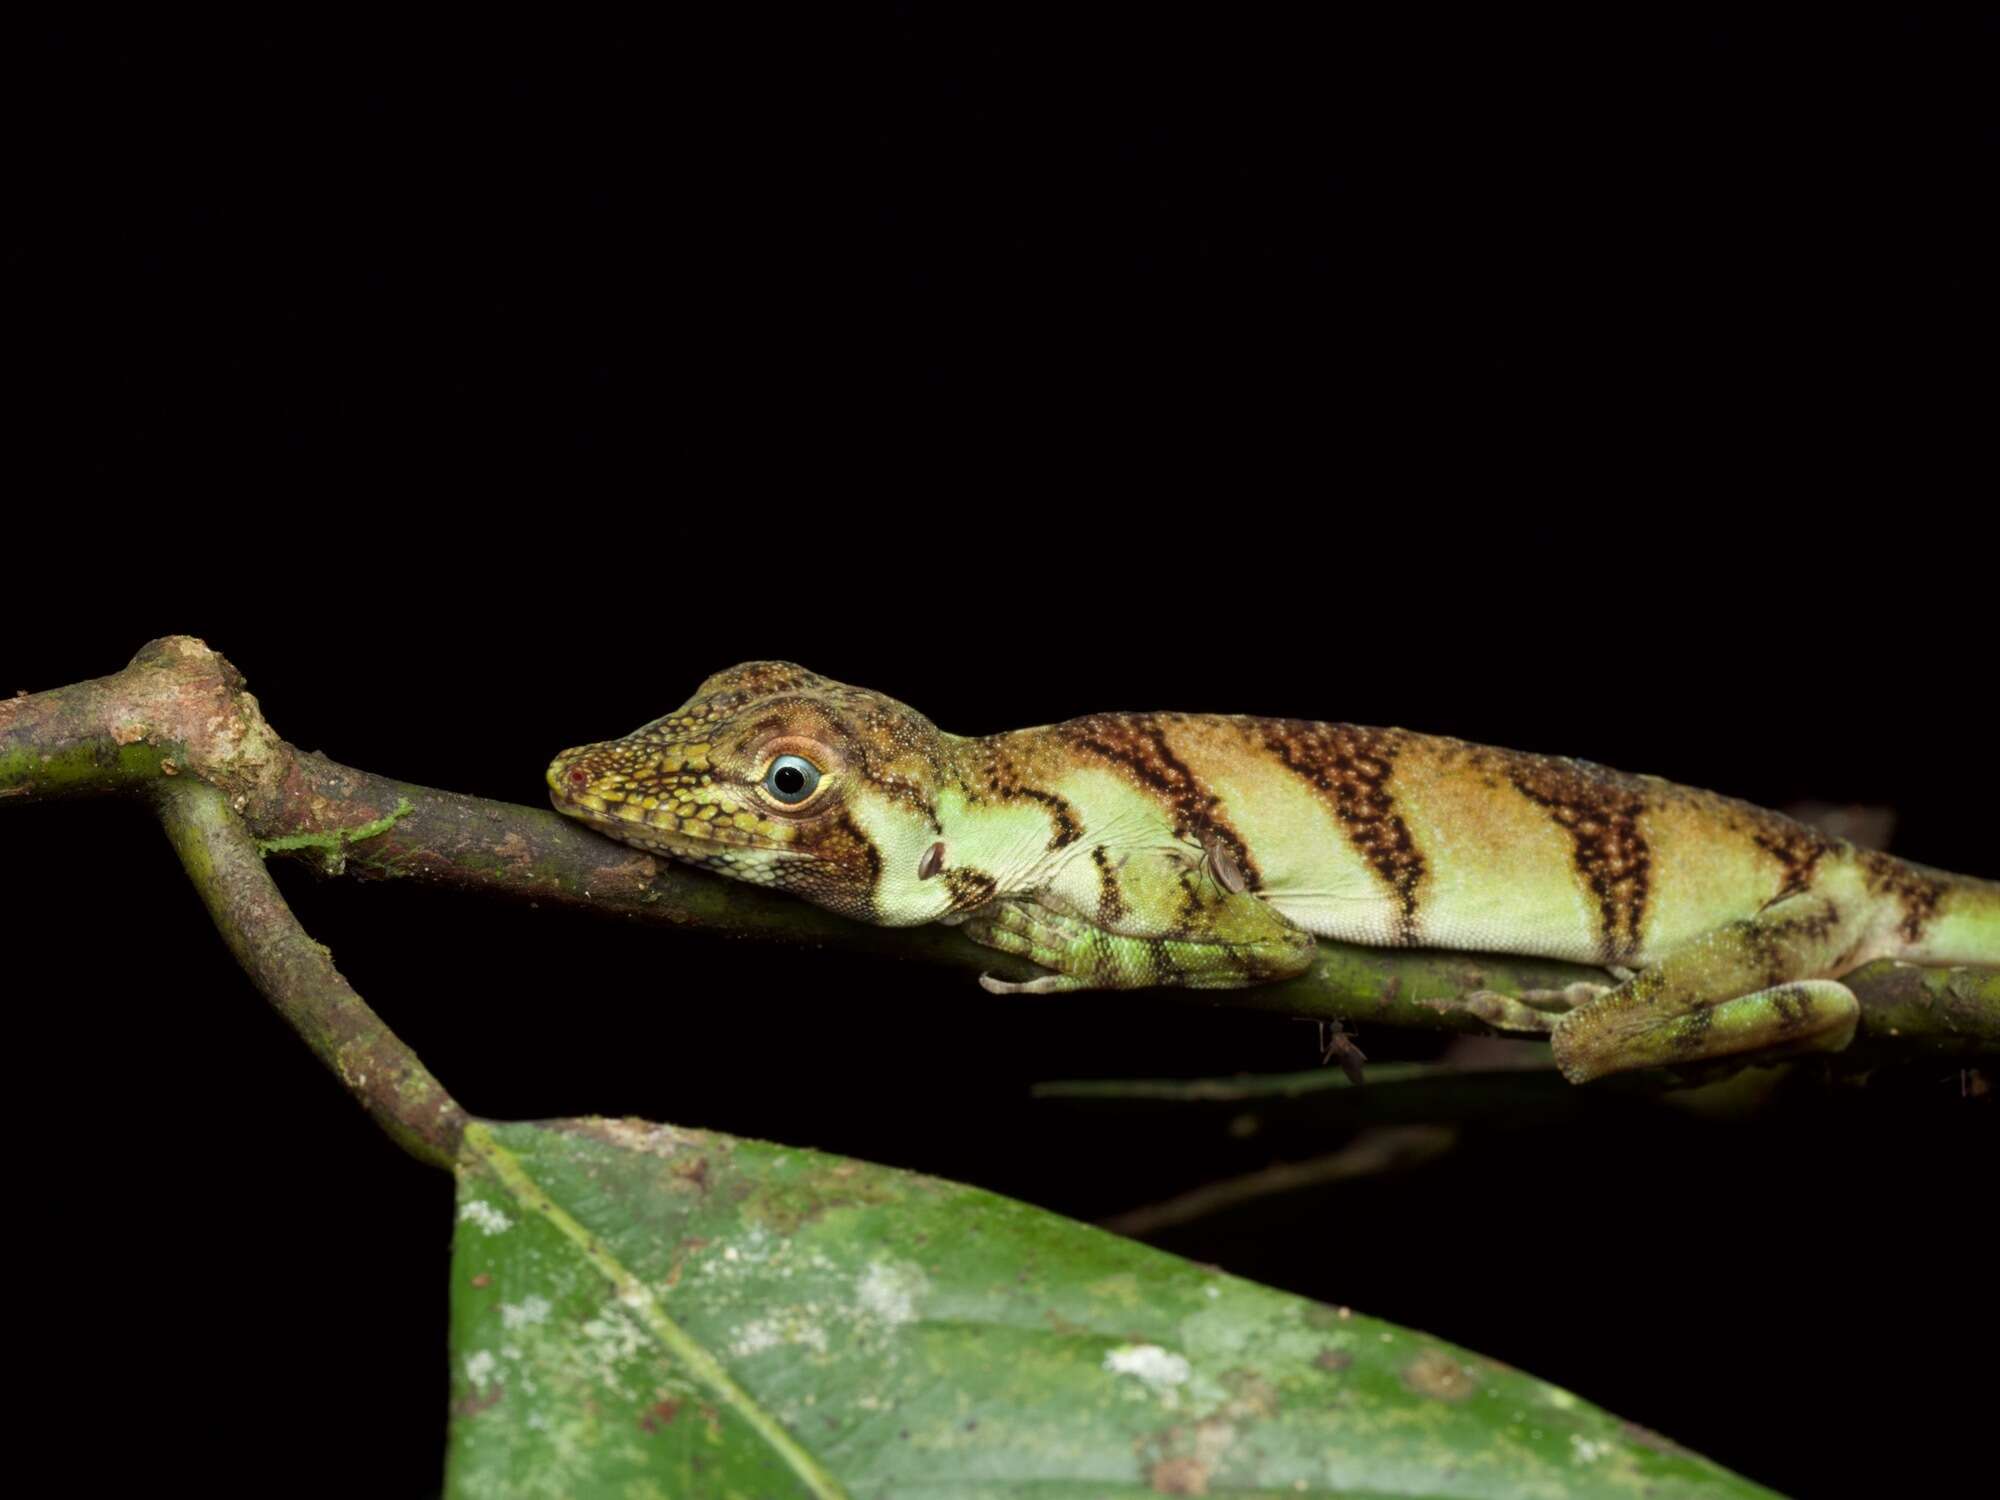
x=788, y=1325
x=485, y=1215
x=1159, y=1370
x=610, y=1343
x=889, y=1291
x=529, y=1310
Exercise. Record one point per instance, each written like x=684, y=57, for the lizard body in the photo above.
x=1127, y=849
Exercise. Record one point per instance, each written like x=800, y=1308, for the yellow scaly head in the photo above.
x=777, y=776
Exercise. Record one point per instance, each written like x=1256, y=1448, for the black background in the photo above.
x=1620, y=391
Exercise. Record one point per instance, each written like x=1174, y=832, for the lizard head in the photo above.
x=778, y=776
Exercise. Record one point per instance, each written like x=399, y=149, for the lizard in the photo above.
x=1121, y=850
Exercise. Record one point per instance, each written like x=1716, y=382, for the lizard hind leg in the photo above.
x=1807, y=1015
x=1751, y=987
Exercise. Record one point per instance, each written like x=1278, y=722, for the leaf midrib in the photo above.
x=633, y=1293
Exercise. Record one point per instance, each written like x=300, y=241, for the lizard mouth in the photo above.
x=671, y=824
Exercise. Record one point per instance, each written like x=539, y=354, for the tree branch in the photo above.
x=179, y=714
x=298, y=977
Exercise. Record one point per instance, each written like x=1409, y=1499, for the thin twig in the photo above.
x=1394, y=1148
x=298, y=977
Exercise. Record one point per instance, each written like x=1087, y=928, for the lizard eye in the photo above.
x=791, y=778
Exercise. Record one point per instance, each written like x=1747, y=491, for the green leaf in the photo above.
x=641, y=1311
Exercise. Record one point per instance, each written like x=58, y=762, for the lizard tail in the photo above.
x=1945, y=918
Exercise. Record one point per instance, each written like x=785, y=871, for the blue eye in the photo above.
x=791, y=778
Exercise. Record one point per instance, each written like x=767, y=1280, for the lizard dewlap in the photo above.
x=1126, y=849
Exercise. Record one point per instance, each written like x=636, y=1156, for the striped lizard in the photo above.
x=1121, y=850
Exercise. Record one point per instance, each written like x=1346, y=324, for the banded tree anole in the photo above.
x=1124, y=849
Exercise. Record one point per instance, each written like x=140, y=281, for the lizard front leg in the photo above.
x=1176, y=922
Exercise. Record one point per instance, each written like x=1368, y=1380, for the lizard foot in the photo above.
x=1230, y=940
x=1026, y=930
x=1532, y=1012
x=1807, y=1015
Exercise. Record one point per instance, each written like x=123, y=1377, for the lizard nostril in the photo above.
x=579, y=777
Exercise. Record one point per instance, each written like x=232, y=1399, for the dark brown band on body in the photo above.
x=1111, y=907
x=1349, y=766
x=1066, y=827
x=1137, y=745
x=1599, y=810
x=992, y=771
x=1798, y=851
x=969, y=887
x=1915, y=891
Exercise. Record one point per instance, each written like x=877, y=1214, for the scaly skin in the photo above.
x=1122, y=850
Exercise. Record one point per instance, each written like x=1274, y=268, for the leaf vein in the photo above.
x=638, y=1298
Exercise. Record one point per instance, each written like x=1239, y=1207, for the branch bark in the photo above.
x=298, y=977
x=179, y=717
